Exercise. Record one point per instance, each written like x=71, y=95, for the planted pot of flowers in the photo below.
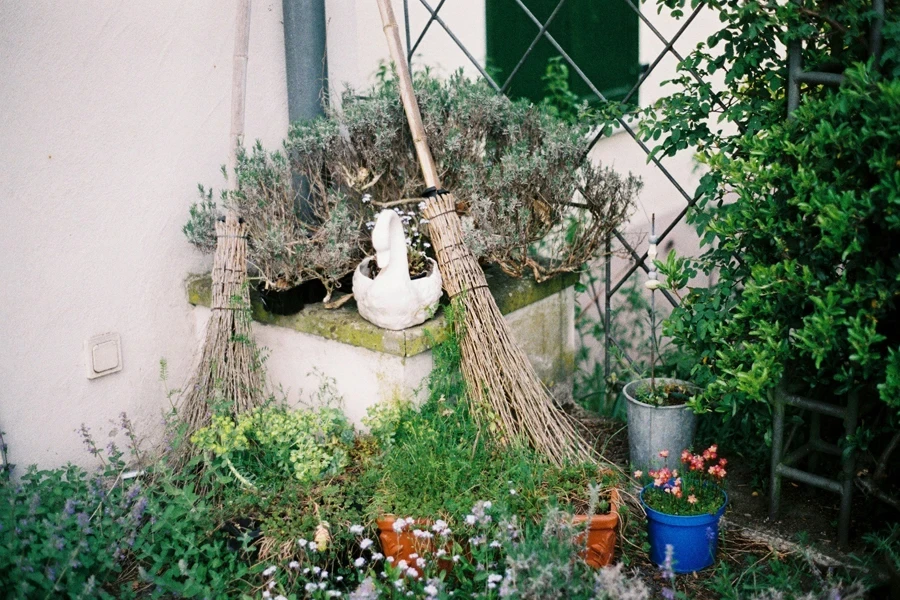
x=684, y=508
x=599, y=532
x=658, y=418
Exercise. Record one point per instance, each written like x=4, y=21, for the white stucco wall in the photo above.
x=113, y=111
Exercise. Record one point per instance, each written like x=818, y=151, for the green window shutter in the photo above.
x=601, y=37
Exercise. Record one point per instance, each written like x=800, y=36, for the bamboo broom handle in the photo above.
x=410, y=105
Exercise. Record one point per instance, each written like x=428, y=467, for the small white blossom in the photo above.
x=495, y=544
x=302, y=543
x=266, y=594
x=488, y=504
x=365, y=543
x=356, y=529
x=270, y=571
x=512, y=492
x=431, y=590
x=271, y=584
x=311, y=587
x=470, y=519
x=294, y=565
x=390, y=559
x=412, y=572
x=359, y=562
x=402, y=564
x=420, y=562
x=379, y=556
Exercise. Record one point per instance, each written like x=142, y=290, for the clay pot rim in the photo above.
x=605, y=521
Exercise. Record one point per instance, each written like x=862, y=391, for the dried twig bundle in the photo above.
x=229, y=370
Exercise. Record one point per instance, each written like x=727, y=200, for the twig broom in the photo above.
x=497, y=371
x=228, y=371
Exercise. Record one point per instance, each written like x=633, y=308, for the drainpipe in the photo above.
x=307, y=72
x=304, y=50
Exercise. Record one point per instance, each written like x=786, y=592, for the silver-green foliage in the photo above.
x=520, y=173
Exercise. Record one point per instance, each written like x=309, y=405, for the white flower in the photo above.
x=390, y=559
x=470, y=519
x=270, y=571
x=398, y=584
x=399, y=524
x=439, y=525
x=420, y=562
x=271, y=584
x=293, y=565
x=414, y=555
x=456, y=558
x=488, y=504
x=423, y=221
x=512, y=492
x=323, y=585
x=441, y=552
x=421, y=206
x=333, y=594
x=302, y=543
x=431, y=590
x=317, y=570
x=366, y=198
x=359, y=562
x=311, y=587
x=280, y=597
x=495, y=578
x=306, y=570
x=365, y=543
x=266, y=594
x=402, y=565
x=495, y=544
x=412, y=572
x=379, y=556
x=323, y=574
x=356, y=529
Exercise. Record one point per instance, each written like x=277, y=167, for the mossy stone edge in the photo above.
x=346, y=326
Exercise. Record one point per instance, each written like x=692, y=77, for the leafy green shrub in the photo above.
x=68, y=533
x=272, y=442
x=799, y=214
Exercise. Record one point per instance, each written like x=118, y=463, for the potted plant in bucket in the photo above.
x=684, y=507
x=658, y=418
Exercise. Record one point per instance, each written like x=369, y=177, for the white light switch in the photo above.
x=104, y=355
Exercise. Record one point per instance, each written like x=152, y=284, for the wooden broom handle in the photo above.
x=410, y=105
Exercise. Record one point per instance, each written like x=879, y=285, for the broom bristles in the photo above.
x=228, y=370
x=496, y=369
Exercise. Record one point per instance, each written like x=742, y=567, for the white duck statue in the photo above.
x=392, y=300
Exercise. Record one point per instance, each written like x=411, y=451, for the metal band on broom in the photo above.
x=497, y=372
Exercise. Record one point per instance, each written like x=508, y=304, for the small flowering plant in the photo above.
x=695, y=488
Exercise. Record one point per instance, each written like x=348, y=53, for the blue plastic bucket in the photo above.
x=694, y=538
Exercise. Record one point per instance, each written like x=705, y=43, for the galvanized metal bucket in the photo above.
x=652, y=429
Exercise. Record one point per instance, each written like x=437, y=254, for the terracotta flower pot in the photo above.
x=601, y=534
x=401, y=545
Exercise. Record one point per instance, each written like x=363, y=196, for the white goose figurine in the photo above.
x=392, y=300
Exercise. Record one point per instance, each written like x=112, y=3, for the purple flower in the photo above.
x=69, y=508
x=137, y=513
x=83, y=520
x=133, y=492
x=710, y=534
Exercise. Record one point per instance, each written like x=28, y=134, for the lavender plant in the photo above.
x=534, y=202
